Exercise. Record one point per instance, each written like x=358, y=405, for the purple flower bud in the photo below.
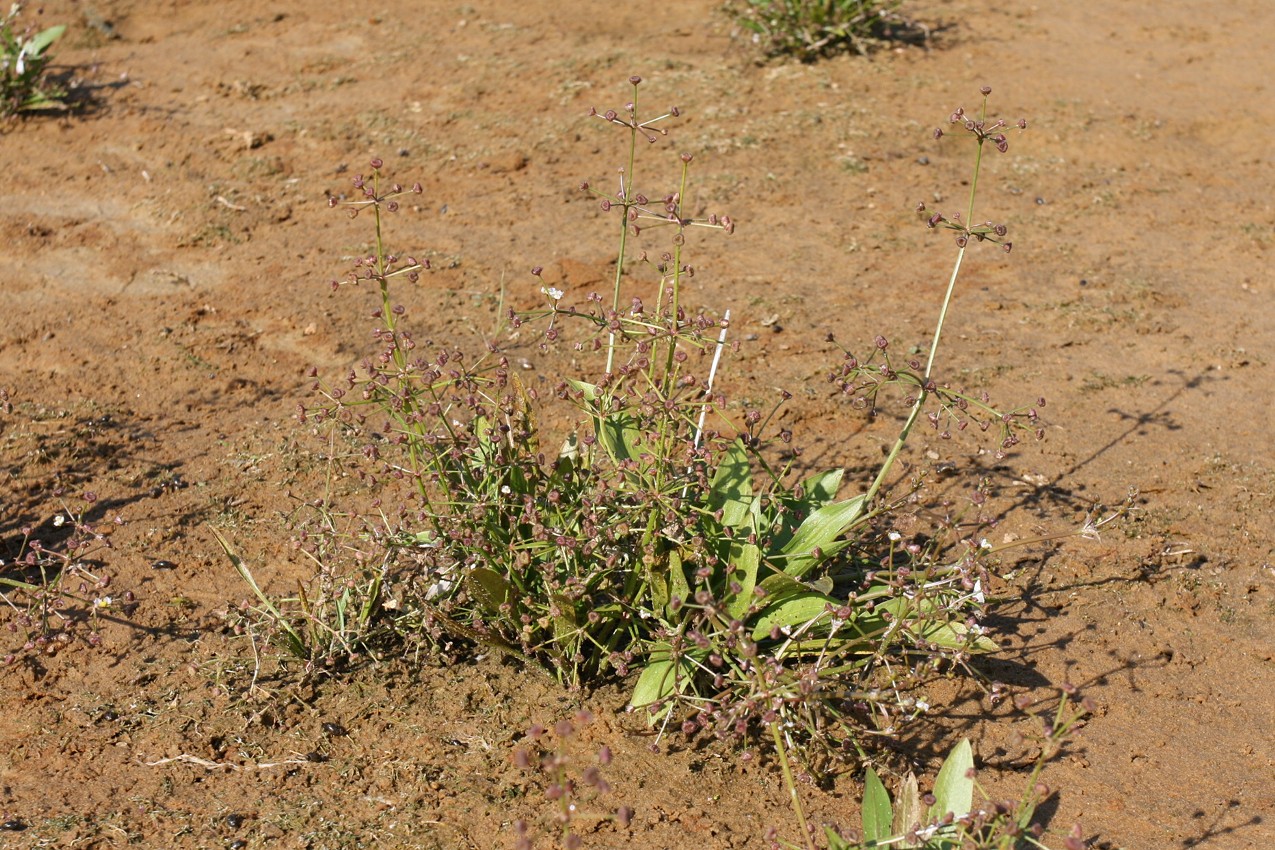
x=938, y=133
x=377, y=162
x=986, y=90
x=536, y=270
x=635, y=79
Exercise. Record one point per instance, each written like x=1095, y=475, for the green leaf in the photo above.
x=660, y=679
x=678, y=585
x=794, y=611
x=877, y=813
x=589, y=390
x=658, y=580
x=820, y=531
x=655, y=683
x=954, y=786
x=821, y=488
x=955, y=635
x=745, y=559
x=952, y=634
x=566, y=626
x=490, y=588
x=41, y=40
x=780, y=586
x=731, y=490
x=618, y=434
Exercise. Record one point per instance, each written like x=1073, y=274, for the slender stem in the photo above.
x=792, y=787
x=922, y=392
x=619, y=275
x=626, y=190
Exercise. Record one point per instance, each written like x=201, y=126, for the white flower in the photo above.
x=554, y=293
x=985, y=543
x=59, y=521
x=894, y=536
x=102, y=602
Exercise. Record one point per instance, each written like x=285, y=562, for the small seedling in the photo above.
x=24, y=60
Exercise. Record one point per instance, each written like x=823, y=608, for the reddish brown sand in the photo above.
x=163, y=282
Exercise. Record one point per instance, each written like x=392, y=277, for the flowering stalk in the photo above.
x=989, y=231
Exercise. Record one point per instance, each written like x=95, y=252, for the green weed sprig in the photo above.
x=24, y=60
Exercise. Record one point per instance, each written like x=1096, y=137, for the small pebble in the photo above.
x=336, y=730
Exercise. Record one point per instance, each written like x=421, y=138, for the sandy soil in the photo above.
x=163, y=278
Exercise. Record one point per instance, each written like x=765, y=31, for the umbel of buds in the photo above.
x=983, y=131
x=981, y=128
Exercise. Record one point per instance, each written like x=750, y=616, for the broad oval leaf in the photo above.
x=654, y=684
x=821, y=488
x=877, y=814
x=794, y=611
x=490, y=588
x=956, y=635
x=731, y=490
x=744, y=561
x=820, y=530
x=781, y=586
x=36, y=45
x=954, y=786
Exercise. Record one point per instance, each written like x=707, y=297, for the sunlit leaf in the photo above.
x=490, y=588
x=954, y=786
x=41, y=40
x=731, y=490
x=795, y=611
x=877, y=814
x=745, y=559
x=820, y=531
